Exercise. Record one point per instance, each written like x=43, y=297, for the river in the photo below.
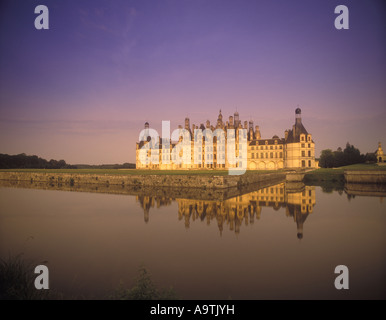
x=278, y=242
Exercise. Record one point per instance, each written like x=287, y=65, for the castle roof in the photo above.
x=294, y=134
x=261, y=142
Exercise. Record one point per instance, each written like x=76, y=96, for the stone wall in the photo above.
x=370, y=176
x=155, y=191
x=175, y=181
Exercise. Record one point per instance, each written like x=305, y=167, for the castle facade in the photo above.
x=295, y=150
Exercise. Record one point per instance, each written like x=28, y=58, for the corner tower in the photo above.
x=299, y=146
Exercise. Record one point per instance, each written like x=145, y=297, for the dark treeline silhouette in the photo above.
x=126, y=165
x=22, y=161
x=350, y=155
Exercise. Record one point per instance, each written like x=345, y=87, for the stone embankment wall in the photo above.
x=174, y=181
x=369, y=176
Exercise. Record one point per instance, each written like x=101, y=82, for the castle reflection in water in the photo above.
x=297, y=203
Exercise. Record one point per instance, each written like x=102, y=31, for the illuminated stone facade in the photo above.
x=295, y=150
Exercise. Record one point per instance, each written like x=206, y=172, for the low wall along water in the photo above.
x=175, y=181
x=369, y=176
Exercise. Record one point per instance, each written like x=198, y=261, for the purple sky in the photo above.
x=82, y=90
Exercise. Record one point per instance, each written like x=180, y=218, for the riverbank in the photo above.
x=368, y=173
x=193, y=181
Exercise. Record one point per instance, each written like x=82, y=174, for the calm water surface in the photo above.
x=273, y=243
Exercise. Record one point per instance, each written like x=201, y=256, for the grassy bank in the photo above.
x=137, y=172
x=336, y=175
x=17, y=282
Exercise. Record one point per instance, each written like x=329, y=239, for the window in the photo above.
x=253, y=148
x=303, y=163
x=309, y=163
x=281, y=154
x=257, y=156
x=280, y=147
x=253, y=155
x=303, y=153
x=271, y=154
x=303, y=145
x=271, y=147
x=309, y=145
x=309, y=153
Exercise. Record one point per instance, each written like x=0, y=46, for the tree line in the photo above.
x=23, y=161
x=350, y=155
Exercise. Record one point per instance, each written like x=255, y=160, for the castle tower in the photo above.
x=236, y=119
x=299, y=146
x=219, y=120
x=250, y=124
x=381, y=157
x=257, y=133
x=298, y=116
x=146, y=134
x=231, y=121
x=187, y=124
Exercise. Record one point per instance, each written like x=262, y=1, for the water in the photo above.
x=275, y=243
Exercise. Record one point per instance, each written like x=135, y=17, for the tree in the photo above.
x=370, y=157
x=350, y=155
x=326, y=159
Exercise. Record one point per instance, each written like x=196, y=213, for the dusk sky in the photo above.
x=82, y=90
